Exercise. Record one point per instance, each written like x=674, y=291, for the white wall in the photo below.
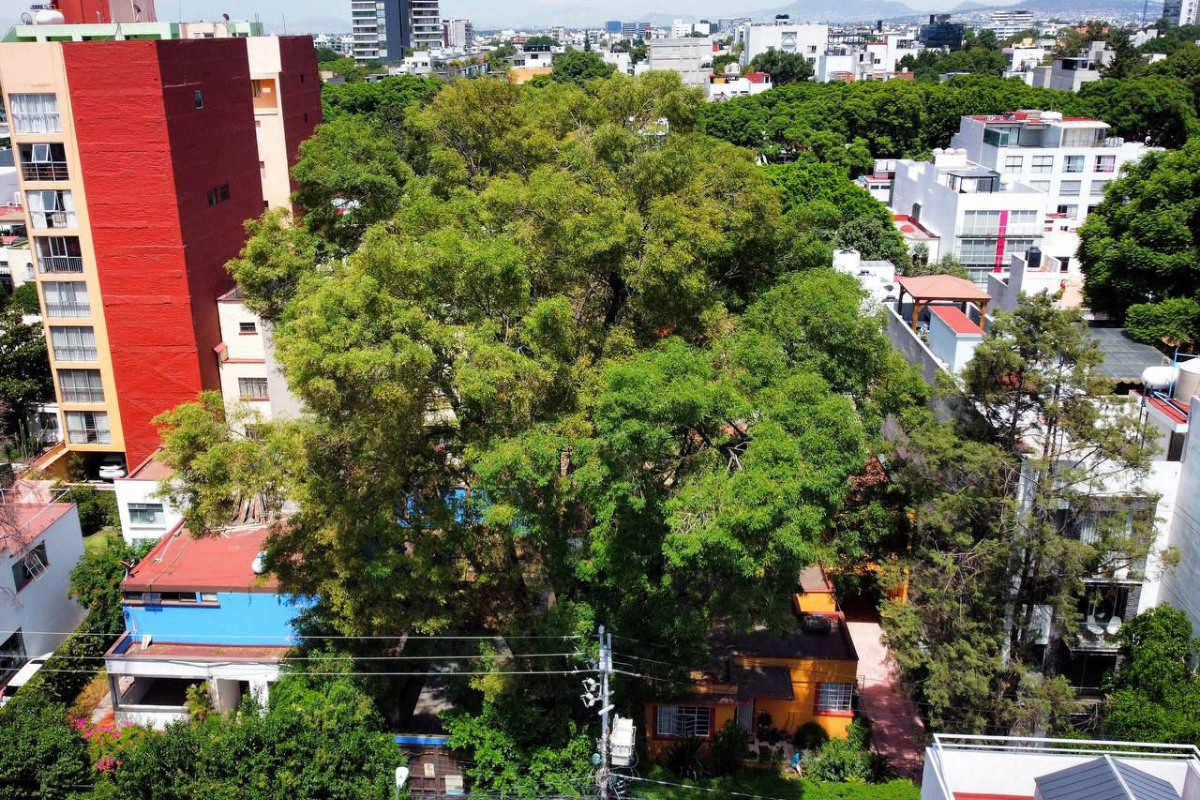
x=1179, y=585
x=806, y=40
x=263, y=53
x=43, y=609
x=141, y=491
x=691, y=58
x=956, y=349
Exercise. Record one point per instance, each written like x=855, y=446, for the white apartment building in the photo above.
x=1072, y=160
x=692, y=58
x=1022, y=59
x=40, y=544
x=809, y=41
x=622, y=61
x=731, y=86
x=458, y=33
x=976, y=217
x=1181, y=12
x=242, y=356
x=1009, y=23
x=1070, y=73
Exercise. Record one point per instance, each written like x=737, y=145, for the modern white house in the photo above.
x=1018, y=768
x=809, y=41
x=730, y=86
x=199, y=612
x=144, y=515
x=1071, y=159
x=976, y=217
x=40, y=543
x=1070, y=73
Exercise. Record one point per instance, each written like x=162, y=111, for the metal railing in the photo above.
x=82, y=395
x=89, y=435
x=68, y=309
x=993, y=231
x=60, y=263
x=70, y=353
x=45, y=171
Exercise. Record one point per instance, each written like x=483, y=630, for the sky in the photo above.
x=304, y=16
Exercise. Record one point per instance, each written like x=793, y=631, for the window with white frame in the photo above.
x=1041, y=186
x=252, y=388
x=684, y=722
x=835, y=696
x=1013, y=163
x=147, y=515
x=977, y=251
x=1024, y=216
x=1043, y=163
x=1069, y=211
x=29, y=566
x=1073, y=164
x=88, y=427
x=51, y=208
x=1106, y=164
x=981, y=223
x=73, y=342
x=1098, y=188
x=34, y=113
x=80, y=386
x=66, y=298
x=1070, y=188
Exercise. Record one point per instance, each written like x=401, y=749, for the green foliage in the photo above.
x=809, y=736
x=1176, y=319
x=1139, y=245
x=384, y=101
x=317, y=739
x=929, y=65
x=43, y=757
x=579, y=67
x=344, y=67
x=847, y=760
x=96, y=583
x=775, y=783
x=541, y=39
x=730, y=747
x=874, y=239
x=326, y=54
x=1154, y=695
x=946, y=265
x=97, y=509
x=25, y=298
x=25, y=377
x=784, y=68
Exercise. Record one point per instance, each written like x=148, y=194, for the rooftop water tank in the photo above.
x=49, y=16
x=1188, y=383
x=1159, y=379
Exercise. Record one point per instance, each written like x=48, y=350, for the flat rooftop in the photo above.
x=128, y=647
x=797, y=643
x=1124, y=359
x=220, y=562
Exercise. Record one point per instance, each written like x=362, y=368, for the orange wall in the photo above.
x=807, y=673
x=657, y=748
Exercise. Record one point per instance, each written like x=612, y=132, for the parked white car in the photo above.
x=24, y=674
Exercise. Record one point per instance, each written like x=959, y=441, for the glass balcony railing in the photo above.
x=993, y=232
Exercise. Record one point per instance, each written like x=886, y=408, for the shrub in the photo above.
x=683, y=758
x=97, y=509
x=25, y=297
x=730, y=748
x=809, y=736
x=1176, y=319
x=846, y=760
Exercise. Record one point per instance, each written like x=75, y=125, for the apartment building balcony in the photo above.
x=76, y=354
x=45, y=171
x=68, y=310
x=60, y=264
x=992, y=232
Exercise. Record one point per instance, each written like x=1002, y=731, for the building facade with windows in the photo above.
x=976, y=217
x=139, y=188
x=1006, y=24
x=181, y=603
x=385, y=30
x=1071, y=159
x=692, y=58
x=459, y=33
x=39, y=546
x=809, y=41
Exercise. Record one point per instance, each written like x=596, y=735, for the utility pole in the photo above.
x=603, y=759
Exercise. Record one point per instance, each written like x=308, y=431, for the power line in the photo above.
x=297, y=637
x=357, y=673
x=703, y=788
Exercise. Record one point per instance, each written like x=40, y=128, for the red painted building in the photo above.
x=167, y=147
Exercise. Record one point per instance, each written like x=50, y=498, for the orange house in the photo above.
x=806, y=675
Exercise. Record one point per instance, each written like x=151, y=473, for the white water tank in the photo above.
x=847, y=260
x=1159, y=379
x=49, y=16
x=1188, y=383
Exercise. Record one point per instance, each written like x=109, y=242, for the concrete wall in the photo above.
x=135, y=491
x=1179, y=585
x=956, y=349
x=43, y=609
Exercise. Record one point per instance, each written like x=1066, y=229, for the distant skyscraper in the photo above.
x=612, y=26
x=384, y=30
x=1181, y=12
x=458, y=33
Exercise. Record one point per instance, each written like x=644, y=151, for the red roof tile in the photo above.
x=24, y=522
x=956, y=319
x=150, y=470
x=942, y=287
x=181, y=562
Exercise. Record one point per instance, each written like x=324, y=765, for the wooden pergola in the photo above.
x=928, y=289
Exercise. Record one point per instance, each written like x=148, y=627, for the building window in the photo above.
x=223, y=192
x=59, y=253
x=1073, y=164
x=51, y=208
x=34, y=113
x=256, y=87
x=208, y=597
x=1069, y=211
x=1070, y=188
x=262, y=170
x=147, y=515
x=80, y=386
x=212, y=197
x=258, y=129
x=29, y=566
x=834, y=697
x=73, y=343
x=1106, y=164
x=1043, y=163
x=1013, y=163
x=1041, y=186
x=247, y=328
x=198, y=98
x=88, y=427
x=44, y=162
x=12, y=655
x=66, y=299
x=684, y=722
x=1098, y=188
x=252, y=388
x=981, y=223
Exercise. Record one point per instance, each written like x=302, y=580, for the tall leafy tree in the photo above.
x=25, y=377
x=578, y=67
x=784, y=68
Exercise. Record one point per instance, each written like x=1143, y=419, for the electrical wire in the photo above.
x=331, y=637
x=352, y=672
x=704, y=788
